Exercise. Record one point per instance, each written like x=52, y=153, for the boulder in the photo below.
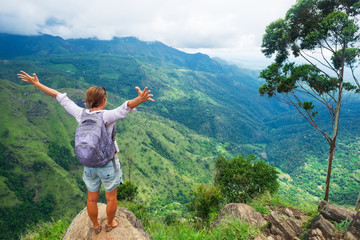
x=239, y=211
x=129, y=226
x=270, y=238
x=284, y=226
x=335, y=213
x=260, y=237
x=349, y=236
x=354, y=227
x=316, y=234
x=322, y=224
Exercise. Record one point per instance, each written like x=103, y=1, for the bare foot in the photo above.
x=114, y=224
x=97, y=227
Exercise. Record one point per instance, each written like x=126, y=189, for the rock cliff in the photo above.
x=129, y=228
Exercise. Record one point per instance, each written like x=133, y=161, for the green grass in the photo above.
x=261, y=204
x=54, y=230
x=229, y=229
x=158, y=230
x=156, y=225
x=342, y=226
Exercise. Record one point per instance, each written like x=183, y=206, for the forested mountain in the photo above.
x=203, y=107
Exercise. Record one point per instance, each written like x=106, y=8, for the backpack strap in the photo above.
x=113, y=133
x=114, y=164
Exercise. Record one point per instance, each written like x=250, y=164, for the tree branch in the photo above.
x=310, y=119
x=315, y=94
x=321, y=45
x=353, y=74
x=314, y=65
x=330, y=48
x=318, y=61
x=331, y=67
x=311, y=94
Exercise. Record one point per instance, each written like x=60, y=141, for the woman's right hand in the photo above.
x=27, y=78
x=35, y=81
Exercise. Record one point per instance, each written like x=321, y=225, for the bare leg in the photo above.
x=92, y=208
x=111, y=207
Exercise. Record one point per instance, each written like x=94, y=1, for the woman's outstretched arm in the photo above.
x=35, y=81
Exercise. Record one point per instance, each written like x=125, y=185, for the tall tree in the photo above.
x=325, y=35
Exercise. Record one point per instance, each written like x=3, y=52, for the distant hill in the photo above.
x=203, y=107
x=221, y=98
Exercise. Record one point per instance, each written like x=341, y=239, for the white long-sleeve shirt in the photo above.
x=110, y=116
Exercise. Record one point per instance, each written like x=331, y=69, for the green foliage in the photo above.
x=161, y=231
x=127, y=191
x=30, y=210
x=311, y=176
x=234, y=229
x=244, y=178
x=49, y=231
x=351, y=57
x=228, y=230
x=204, y=200
x=288, y=78
x=262, y=209
x=140, y=211
x=14, y=220
x=173, y=213
x=6, y=160
x=62, y=155
x=308, y=25
x=276, y=38
x=343, y=226
x=304, y=235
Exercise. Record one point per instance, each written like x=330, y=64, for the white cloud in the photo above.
x=231, y=25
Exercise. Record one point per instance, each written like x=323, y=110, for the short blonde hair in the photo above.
x=95, y=96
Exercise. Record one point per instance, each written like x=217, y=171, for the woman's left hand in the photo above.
x=144, y=95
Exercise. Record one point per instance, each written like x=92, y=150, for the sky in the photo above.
x=229, y=29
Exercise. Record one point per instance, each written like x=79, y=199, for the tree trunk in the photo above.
x=328, y=176
x=357, y=206
x=335, y=126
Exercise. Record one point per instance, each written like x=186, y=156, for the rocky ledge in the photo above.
x=129, y=228
x=286, y=223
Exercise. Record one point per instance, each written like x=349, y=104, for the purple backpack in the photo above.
x=93, y=145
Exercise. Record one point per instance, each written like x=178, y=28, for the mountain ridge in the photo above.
x=200, y=110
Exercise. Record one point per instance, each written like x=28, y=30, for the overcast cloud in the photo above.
x=231, y=29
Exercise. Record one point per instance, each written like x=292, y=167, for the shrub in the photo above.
x=242, y=179
x=205, y=199
x=127, y=191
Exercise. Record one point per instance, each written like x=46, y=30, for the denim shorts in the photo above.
x=93, y=177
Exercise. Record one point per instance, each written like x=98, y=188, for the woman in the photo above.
x=96, y=98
